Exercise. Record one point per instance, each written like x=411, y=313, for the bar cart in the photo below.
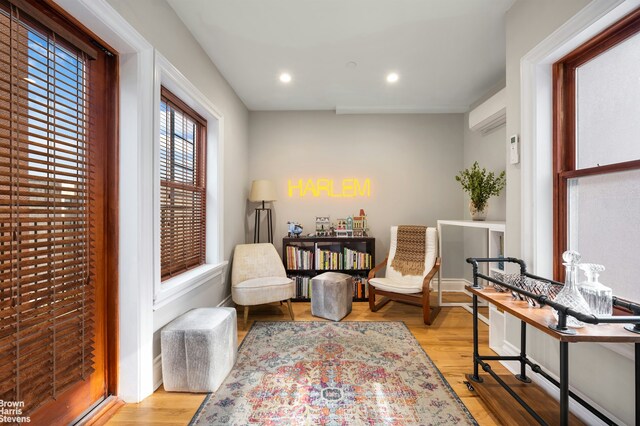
x=613, y=329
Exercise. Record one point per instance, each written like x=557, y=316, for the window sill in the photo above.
x=176, y=287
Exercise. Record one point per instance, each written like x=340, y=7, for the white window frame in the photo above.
x=165, y=292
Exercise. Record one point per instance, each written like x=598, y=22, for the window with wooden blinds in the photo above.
x=182, y=186
x=46, y=226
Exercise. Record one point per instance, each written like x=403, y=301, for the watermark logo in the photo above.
x=11, y=412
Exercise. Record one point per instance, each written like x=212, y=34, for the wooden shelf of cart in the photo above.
x=541, y=318
x=306, y=257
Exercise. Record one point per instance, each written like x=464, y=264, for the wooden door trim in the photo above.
x=112, y=208
x=113, y=238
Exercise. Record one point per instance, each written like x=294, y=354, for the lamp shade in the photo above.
x=262, y=190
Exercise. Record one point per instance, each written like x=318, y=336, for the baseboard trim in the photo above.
x=226, y=302
x=157, y=372
x=453, y=284
x=581, y=412
x=157, y=361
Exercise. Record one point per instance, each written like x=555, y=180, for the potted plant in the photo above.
x=480, y=185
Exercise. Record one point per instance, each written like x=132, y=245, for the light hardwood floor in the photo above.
x=448, y=342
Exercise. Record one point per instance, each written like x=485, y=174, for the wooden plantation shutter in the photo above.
x=182, y=186
x=47, y=230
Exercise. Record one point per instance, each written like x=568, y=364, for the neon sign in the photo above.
x=347, y=188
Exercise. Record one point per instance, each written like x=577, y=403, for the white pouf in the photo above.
x=331, y=295
x=199, y=349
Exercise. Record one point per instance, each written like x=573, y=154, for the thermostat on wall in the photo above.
x=514, y=150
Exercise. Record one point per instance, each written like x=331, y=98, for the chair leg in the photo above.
x=429, y=313
x=290, y=309
x=426, y=309
x=372, y=298
x=246, y=316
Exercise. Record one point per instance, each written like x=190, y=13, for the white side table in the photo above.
x=495, y=247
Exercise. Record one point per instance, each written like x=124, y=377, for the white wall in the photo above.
x=488, y=151
x=600, y=374
x=411, y=160
x=528, y=22
x=151, y=18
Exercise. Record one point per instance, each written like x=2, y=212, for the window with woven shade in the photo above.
x=47, y=229
x=182, y=187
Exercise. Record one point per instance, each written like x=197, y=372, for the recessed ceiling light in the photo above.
x=285, y=77
x=351, y=64
x=392, y=77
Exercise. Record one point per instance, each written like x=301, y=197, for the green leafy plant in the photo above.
x=480, y=184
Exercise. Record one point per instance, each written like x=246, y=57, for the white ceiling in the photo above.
x=448, y=53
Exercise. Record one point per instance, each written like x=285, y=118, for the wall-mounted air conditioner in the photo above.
x=490, y=114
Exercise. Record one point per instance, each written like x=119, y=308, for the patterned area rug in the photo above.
x=321, y=373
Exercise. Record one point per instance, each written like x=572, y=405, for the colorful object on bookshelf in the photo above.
x=344, y=227
x=360, y=224
x=323, y=226
x=295, y=229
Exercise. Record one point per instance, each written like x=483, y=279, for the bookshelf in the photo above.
x=306, y=257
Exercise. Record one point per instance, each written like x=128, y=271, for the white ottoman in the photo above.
x=199, y=349
x=331, y=295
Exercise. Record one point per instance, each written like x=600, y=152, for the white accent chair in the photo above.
x=413, y=289
x=258, y=277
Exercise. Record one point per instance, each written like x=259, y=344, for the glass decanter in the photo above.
x=570, y=296
x=598, y=296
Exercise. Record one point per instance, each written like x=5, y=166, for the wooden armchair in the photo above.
x=412, y=289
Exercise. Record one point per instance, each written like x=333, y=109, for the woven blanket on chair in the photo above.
x=410, y=250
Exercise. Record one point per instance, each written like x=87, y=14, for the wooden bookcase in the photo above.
x=315, y=255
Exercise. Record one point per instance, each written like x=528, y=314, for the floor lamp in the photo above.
x=262, y=190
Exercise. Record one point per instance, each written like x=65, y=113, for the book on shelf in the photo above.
x=299, y=258
x=356, y=259
x=360, y=287
x=303, y=286
x=327, y=260
x=348, y=259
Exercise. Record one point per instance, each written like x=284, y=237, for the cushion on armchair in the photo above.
x=257, y=291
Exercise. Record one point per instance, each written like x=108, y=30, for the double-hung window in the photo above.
x=597, y=155
x=182, y=186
